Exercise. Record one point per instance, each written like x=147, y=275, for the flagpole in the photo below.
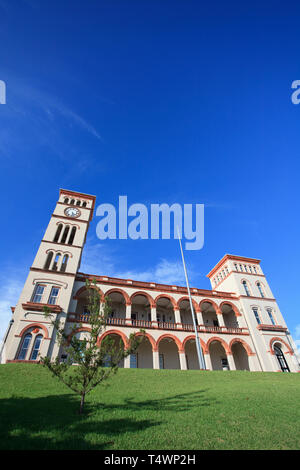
x=199, y=349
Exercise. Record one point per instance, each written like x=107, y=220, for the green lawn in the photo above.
x=151, y=409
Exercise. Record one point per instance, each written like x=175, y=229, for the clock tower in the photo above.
x=50, y=280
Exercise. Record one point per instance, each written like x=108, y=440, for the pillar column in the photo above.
x=177, y=316
x=153, y=314
x=128, y=311
x=207, y=361
x=155, y=359
x=220, y=319
x=127, y=362
x=200, y=318
x=231, y=362
x=253, y=363
x=182, y=360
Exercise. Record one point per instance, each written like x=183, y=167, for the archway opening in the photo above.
x=116, y=301
x=143, y=357
x=191, y=355
x=115, y=344
x=186, y=314
x=210, y=317
x=229, y=317
x=168, y=354
x=140, y=310
x=218, y=356
x=165, y=313
x=240, y=356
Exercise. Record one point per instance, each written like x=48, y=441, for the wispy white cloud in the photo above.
x=34, y=117
x=296, y=337
x=98, y=260
x=9, y=295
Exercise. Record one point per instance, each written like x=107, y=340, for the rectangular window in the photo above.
x=53, y=295
x=133, y=361
x=38, y=294
x=107, y=360
x=161, y=361
x=256, y=315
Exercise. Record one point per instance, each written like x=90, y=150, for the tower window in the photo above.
x=71, y=239
x=72, y=202
x=48, y=260
x=260, y=289
x=255, y=269
x=236, y=267
x=25, y=345
x=65, y=234
x=38, y=293
x=78, y=203
x=84, y=204
x=58, y=232
x=66, y=200
x=269, y=310
x=246, y=288
x=64, y=263
x=255, y=311
x=241, y=267
x=56, y=260
x=53, y=295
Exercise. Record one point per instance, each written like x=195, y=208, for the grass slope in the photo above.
x=151, y=409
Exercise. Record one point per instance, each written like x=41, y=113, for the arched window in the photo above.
x=66, y=200
x=270, y=313
x=255, y=311
x=78, y=203
x=84, y=204
x=56, y=260
x=71, y=239
x=58, y=232
x=65, y=234
x=260, y=289
x=48, y=260
x=255, y=269
x=281, y=359
x=36, y=347
x=72, y=202
x=24, y=347
x=64, y=263
x=246, y=288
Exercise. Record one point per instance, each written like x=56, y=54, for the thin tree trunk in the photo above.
x=82, y=403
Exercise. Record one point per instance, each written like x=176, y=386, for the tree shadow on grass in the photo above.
x=53, y=422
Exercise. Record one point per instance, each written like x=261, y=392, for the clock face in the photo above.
x=72, y=212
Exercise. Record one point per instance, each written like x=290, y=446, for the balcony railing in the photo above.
x=129, y=322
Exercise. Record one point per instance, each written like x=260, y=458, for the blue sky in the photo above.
x=186, y=102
